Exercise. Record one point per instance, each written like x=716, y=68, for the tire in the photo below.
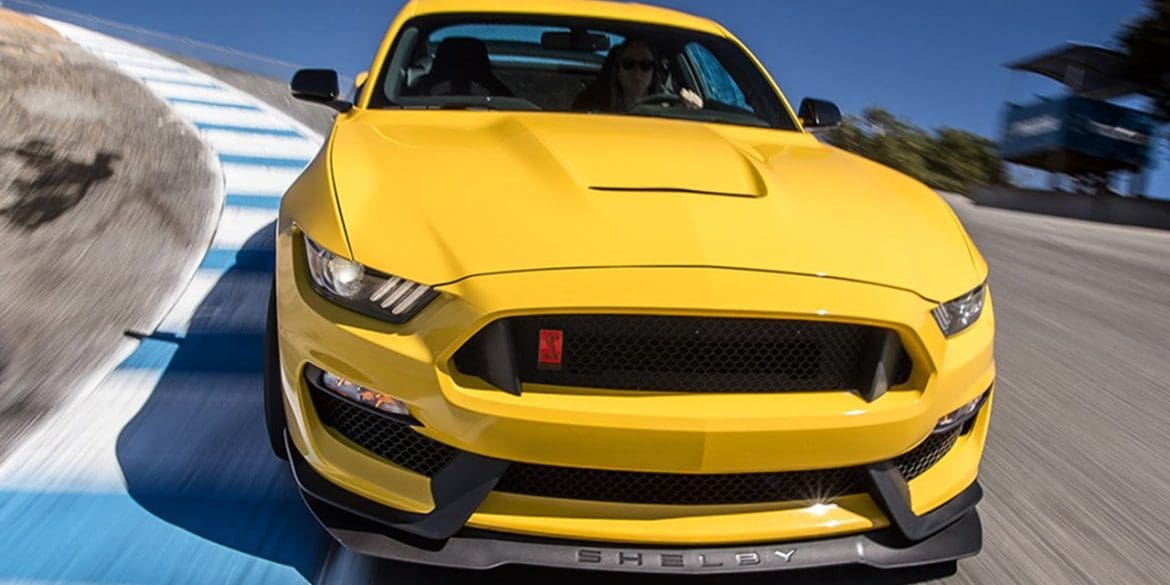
x=274, y=418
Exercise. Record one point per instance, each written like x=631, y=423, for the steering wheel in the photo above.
x=653, y=99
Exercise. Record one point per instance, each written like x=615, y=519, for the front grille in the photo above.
x=691, y=354
x=394, y=441
x=633, y=487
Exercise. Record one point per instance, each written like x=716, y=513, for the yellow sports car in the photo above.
x=571, y=284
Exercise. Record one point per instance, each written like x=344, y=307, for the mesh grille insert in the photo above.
x=686, y=489
x=678, y=489
x=691, y=354
x=925, y=455
x=393, y=441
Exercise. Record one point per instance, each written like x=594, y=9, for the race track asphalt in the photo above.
x=1076, y=474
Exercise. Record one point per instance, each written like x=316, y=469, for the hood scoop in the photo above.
x=673, y=190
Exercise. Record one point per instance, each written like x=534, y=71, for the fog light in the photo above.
x=961, y=415
x=361, y=395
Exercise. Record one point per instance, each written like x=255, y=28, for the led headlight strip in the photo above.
x=956, y=315
x=367, y=291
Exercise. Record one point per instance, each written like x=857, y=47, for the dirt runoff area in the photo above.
x=106, y=201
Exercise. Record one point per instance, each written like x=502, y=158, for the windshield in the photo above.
x=577, y=65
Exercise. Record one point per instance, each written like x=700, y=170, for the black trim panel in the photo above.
x=890, y=491
x=491, y=357
x=458, y=489
x=485, y=550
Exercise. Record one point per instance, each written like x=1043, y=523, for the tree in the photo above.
x=960, y=160
x=950, y=159
x=896, y=143
x=1146, y=44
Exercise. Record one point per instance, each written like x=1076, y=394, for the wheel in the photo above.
x=274, y=419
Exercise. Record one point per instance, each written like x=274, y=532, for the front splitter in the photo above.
x=485, y=550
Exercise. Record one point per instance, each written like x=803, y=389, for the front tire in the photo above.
x=274, y=418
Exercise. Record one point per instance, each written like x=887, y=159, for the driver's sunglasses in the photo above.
x=645, y=65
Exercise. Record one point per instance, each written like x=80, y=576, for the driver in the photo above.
x=630, y=74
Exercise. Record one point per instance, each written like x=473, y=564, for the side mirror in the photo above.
x=318, y=86
x=817, y=114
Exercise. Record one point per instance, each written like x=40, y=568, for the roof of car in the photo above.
x=583, y=8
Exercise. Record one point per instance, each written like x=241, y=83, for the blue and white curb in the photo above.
x=160, y=473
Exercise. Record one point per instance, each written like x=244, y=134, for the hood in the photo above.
x=439, y=196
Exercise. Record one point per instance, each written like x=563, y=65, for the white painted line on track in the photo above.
x=179, y=319
x=128, y=60
x=100, y=47
x=255, y=180
x=138, y=61
x=165, y=74
x=132, y=59
x=195, y=298
x=238, y=225
x=170, y=90
x=74, y=449
x=200, y=113
x=244, y=144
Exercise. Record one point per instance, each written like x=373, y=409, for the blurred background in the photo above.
x=912, y=73
x=131, y=449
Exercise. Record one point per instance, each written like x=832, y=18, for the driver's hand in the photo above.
x=690, y=99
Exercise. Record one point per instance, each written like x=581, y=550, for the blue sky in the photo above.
x=935, y=62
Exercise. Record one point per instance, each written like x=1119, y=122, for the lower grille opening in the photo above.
x=633, y=487
x=630, y=487
x=403, y=446
x=390, y=440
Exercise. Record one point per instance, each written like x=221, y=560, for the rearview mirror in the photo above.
x=318, y=86
x=818, y=115
x=575, y=40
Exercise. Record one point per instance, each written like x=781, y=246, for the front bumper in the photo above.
x=948, y=533
x=657, y=433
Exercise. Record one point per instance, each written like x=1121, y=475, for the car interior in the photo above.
x=529, y=66
x=464, y=65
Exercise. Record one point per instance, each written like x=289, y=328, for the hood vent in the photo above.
x=673, y=190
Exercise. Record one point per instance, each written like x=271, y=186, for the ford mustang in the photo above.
x=571, y=284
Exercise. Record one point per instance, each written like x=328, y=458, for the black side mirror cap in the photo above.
x=817, y=114
x=318, y=86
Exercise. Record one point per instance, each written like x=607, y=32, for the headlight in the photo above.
x=364, y=290
x=957, y=315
